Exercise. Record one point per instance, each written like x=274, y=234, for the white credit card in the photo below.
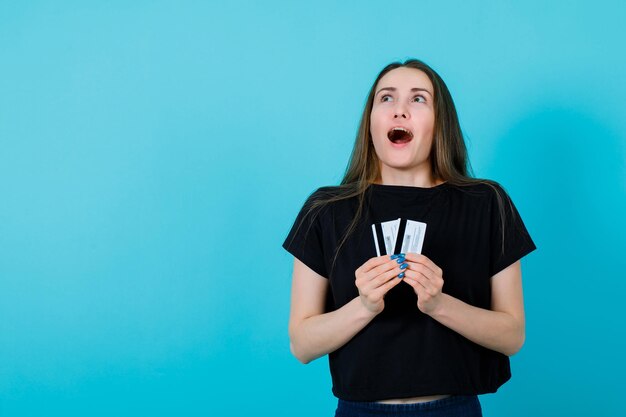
x=376, y=239
x=411, y=241
x=390, y=234
x=413, y=237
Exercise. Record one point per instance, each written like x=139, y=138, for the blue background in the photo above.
x=154, y=154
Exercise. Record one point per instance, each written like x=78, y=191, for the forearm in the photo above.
x=321, y=334
x=494, y=330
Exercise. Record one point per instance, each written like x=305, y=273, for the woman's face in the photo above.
x=403, y=119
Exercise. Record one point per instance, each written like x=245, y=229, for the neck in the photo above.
x=413, y=178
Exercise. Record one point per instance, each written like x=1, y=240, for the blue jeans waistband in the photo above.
x=456, y=405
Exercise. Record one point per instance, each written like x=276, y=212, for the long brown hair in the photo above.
x=448, y=155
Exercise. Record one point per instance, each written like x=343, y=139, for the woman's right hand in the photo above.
x=375, y=278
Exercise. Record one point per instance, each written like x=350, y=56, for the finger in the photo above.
x=382, y=279
x=424, y=260
x=419, y=279
x=427, y=285
x=364, y=272
x=387, y=266
x=424, y=270
x=417, y=286
x=373, y=262
x=435, y=278
x=384, y=289
x=417, y=276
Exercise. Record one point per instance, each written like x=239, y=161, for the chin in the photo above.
x=399, y=166
x=403, y=165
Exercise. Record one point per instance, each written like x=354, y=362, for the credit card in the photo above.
x=388, y=241
x=390, y=234
x=413, y=240
x=385, y=236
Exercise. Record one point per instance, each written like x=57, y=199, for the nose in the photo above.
x=400, y=112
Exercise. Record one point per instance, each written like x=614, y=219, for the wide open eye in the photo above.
x=419, y=99
x=386, y=97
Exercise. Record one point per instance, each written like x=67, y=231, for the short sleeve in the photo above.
x=305, y=239
x=510, y=240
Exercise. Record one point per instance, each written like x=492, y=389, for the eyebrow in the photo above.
x=414, y=89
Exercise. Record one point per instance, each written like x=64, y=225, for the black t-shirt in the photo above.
x=403, y=352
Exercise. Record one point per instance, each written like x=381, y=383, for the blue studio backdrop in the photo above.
x=154, y=154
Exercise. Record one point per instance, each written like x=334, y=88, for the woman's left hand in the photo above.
x=426, y=278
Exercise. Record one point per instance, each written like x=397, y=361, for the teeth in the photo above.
x=399, y=135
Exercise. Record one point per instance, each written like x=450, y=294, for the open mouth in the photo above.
x=399, y=135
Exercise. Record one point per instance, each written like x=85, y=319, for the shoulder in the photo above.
x=319, y=201
x=327, y=196
x=480, y=189
x=484, y=195
x=327, y=191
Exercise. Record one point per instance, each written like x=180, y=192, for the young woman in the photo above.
x=409, y=333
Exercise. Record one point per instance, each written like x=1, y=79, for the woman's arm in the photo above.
x=312, y=332
x=501, y=329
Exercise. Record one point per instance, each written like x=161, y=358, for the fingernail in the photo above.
x=400, y=260
x=403, y=266
x=396, y=256
x=401, y=275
